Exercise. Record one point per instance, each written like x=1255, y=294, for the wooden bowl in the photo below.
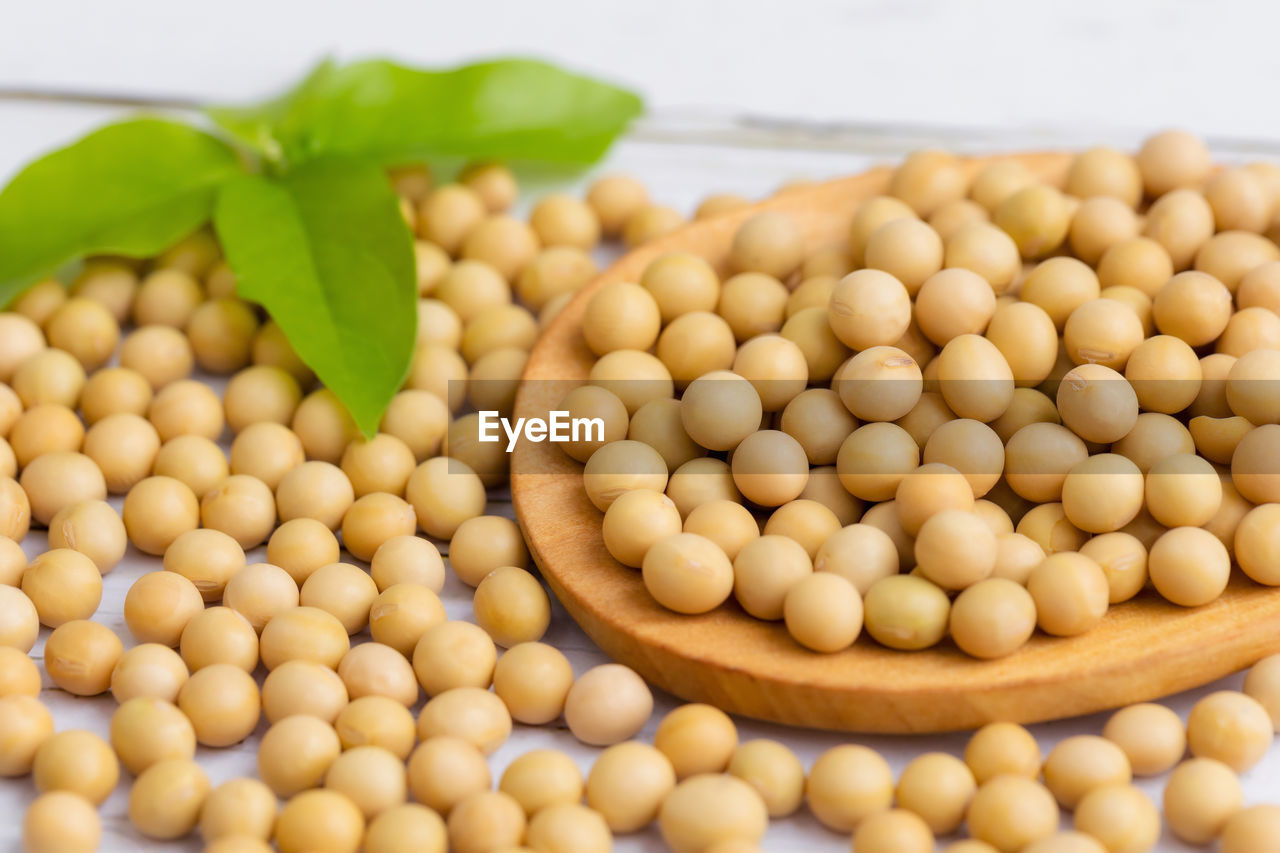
x=1145, y=648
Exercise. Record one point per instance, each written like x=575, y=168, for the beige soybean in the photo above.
x=695, y=343
x=315, y=489
x=13, y=562
x=78, y=761
x=710, y=808
x=42, y=429
x=49, y=376
x=446, y=770
x=295, y=753
x=752, y=303
x=1181, y=221
x=488, y=820
x=862, y=554
x=774, y=771
x=1151, y=736
x=987, y=251
x=1263, y=683
x=512, y=607
x=167, y=797
x=377, y=721
x=1201, y=795
x=372, y=520
x=687, y=573
x=846, y=784
x=373, y=778
x=555, y=272
x=343, y=590
x=533, y=680
x=194, y=460
x=1253, y=829
x=1098, y=224
x=238, y=808
x=243, y=507
x=159, y=605
x=80, y=655
x=635, y=521
x=259, y=591
x=219, y=635
x=880, y=384
x=542, y=778
x=1123, y=559
x=937, y=787
x=207, y=558
x=823, y=612
x=607, y=704
x=621, y=316
x=720, y=409
x=304, y=633
x=27, y=726
x=1016, y=555
x=927, y=179
x=869, y=308
x=157, y=510
x=94, y=529
x=696, y=738
x=569, y=826
x=159, y=354
x=444, y=493
x=454, y=654
x=57, y=480
x=266, y=451
x=63, y=585
x=419, y=419
x=1189, y=566
x=319, y=821
x=627, y=785
x=61, y=822
x=408, y=559
x=1071, y=594
x=323, y=425
x=906, y=612
x=806, y=521
x=16, y=510
x=1002, y=749
x=124, y=446
x=1081, y=764
x=19, y=675
x=373, y=669
x=992, y=618
x=1232, y=727
x=406, y=828
x=472, y=713
x=22, y=339
x=893, y=830
x=955, y=548
x=303, y=687
x=149, y=670
x=186, y=407
x=1102, y=493
x=1011, y=813
x=402, y=613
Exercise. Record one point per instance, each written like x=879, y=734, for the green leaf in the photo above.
x=515, y=109
x=255, y=126
x=128, y=189
x=325, y=250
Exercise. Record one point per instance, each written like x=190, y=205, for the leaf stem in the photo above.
x=105, y=99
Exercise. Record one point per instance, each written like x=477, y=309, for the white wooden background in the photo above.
x=1019, y=74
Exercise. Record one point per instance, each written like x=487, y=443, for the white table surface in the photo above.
x=1114, y=69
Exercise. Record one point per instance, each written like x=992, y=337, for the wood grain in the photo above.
x=1144, y=649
